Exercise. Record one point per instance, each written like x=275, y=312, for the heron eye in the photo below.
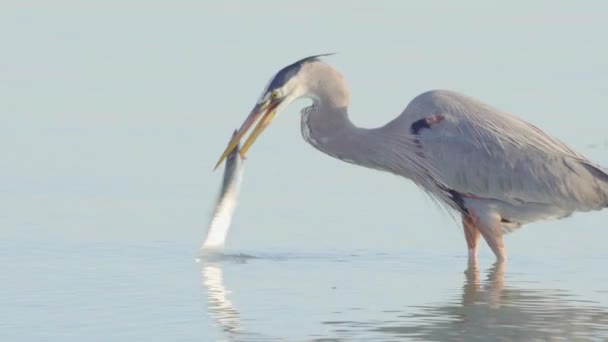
x=274, y=94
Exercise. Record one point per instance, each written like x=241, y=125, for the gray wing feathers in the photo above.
x=490, y=154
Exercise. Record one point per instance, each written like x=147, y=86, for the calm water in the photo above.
x=157, y=292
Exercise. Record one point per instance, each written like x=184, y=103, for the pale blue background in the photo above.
x=113, y=113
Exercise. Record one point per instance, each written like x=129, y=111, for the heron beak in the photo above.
x=266, y=111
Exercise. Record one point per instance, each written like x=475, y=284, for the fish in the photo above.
x=221, y=219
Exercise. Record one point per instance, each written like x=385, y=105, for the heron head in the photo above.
x=282, y=89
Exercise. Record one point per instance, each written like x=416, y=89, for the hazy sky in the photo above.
x=113, y=113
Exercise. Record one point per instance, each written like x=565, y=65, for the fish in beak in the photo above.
x=217, y=231
x=264, y=113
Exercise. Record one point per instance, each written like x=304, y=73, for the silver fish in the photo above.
x=226, y=202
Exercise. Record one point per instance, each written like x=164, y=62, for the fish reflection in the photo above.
x=490, y=310
x=220, y=307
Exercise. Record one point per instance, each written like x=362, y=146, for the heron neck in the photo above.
x=327, y=127
x=330, y=130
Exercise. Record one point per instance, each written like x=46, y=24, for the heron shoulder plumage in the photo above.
x=479, y=150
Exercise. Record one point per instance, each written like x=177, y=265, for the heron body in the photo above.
x=495, y=170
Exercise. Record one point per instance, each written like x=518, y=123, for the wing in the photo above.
x=478, y=150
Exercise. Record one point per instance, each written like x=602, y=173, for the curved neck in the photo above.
x=384, y=148
x=330, y=130
x=326, y=126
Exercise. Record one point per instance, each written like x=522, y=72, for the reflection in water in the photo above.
x=220, y=307
x=487, y=310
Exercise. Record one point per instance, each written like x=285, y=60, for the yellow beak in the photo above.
x=264, y=110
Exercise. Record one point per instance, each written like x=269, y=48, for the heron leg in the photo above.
x=488, y=223
x=491, y=229
x=471, y=233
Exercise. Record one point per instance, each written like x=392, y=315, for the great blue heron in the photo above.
x=494, y=169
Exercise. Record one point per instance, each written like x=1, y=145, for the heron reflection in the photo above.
x=489, y=309
x=474, y=291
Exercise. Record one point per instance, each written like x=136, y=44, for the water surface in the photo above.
x=158, y=292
